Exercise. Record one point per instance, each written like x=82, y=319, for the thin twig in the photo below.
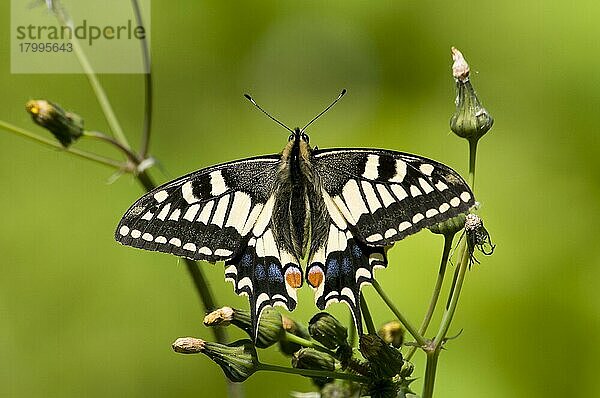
x=314, y=373
x=432, y=356
x=292, y=338
x=409, y=327
x=53, y=144
x=132, y=156
x=107, y=109
x=367, y=315
x=147, y=127
x=454, y=294
x=448, y=238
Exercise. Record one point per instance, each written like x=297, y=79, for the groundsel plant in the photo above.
x=340, y=363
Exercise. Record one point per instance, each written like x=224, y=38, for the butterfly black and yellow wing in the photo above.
x=221, y=213
x=373, y=198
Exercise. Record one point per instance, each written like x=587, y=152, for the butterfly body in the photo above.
x=335, y=211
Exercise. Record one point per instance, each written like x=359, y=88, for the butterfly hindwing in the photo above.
x=339, y=268
x=264, y=272
x=387, y=195
x=205, y=215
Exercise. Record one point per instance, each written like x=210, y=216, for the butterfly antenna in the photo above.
x=325, y=110
x=249, y=98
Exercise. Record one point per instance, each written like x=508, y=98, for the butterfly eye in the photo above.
x=291, y=137
x=304, y=137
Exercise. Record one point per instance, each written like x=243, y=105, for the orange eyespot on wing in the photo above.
x=315, y=277
x=293, y=278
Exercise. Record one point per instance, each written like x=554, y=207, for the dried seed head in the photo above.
x=477, y=237
x=460, y=68
x=470, y=120
x=238, y=360
x=328, y=331
x=392, y=333
x=66, y=126
x=188, y=345
x=220, y=317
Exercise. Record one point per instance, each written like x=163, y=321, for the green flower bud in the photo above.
x=309, y=358
x=295, y=328
x=328, y=331
x=477, y=237
x=392, y=333
x=470, y=120
x=270, y=327
x=450, y=226
x=238, y=360
x=67, y=127
x=385, y=360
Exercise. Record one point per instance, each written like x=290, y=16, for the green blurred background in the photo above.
x=81, y=315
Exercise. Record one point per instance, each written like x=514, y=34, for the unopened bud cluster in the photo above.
x=328, y=331
x=386, y=361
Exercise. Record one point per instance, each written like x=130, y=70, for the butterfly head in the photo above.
x=298, y=135
x=297, y=145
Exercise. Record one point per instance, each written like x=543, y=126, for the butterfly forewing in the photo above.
x=205, y=215
x=386, y=196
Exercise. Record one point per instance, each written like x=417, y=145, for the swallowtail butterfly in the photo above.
x=334, y=210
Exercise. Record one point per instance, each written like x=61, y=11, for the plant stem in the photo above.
x=147, y=84
x=455, y=294
x=367, y=315
x=132, y=156
x=53, y=144
x=292, y=338
x=452, y=286
x=448, y=238
x=472, y=157
x=409, y=327
x=107, y=108
x=430, y=370
x=314, y=373
x=432, y=356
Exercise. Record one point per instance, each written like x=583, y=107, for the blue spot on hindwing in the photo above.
x=332, y=269
x=259, y=272
x=356, y=252
x=246, y=261
x=346, y=266
x=275, y=273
